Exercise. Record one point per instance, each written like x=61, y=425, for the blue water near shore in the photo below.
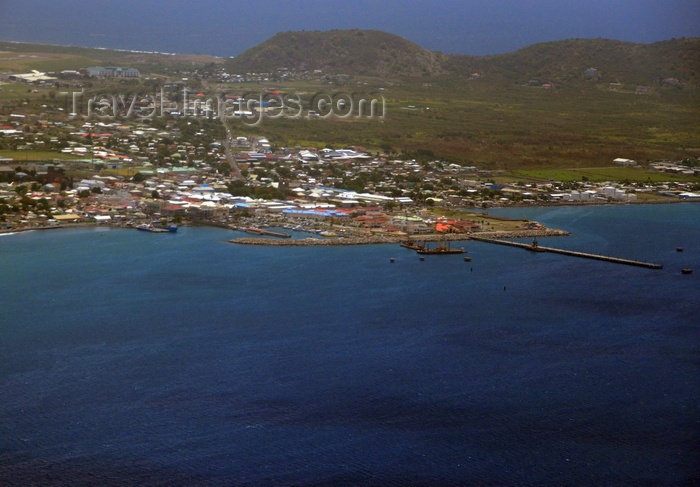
x=129, y=358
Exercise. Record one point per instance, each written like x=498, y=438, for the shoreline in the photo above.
x=52, y=227
x=374, y=238
x=330, y=241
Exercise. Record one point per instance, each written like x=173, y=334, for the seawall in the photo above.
x=393, y=239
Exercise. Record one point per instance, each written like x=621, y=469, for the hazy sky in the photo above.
x=228, y=27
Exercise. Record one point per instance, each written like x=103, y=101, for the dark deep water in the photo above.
x=142, y=359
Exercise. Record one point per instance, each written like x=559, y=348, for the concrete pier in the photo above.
x=573, y=253
x=270, y=233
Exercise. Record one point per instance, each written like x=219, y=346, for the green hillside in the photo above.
x=383, y=55
x=353, y=52
x=614, y=62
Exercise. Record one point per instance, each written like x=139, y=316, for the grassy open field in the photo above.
x=21, y=58
x=19, y=92
x=598, y=174
x=22, y=63
x=508, y=126
x=34, y=155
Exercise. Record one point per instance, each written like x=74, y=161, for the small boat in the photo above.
x=679, y=249
x=534, y=247
x=686, y=271
x=410, y=244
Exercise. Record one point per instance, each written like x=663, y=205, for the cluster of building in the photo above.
x=605, y=194
x=35, y=77
x=28, y=200
x=221, y=75
x=309, y=187
x=675, y=167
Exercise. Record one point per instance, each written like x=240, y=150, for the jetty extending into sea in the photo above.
x=538, y=248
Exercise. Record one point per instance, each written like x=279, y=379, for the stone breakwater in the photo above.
x=545, y=232
x=394, y=239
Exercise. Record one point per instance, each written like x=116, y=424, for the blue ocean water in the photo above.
x=129, y=358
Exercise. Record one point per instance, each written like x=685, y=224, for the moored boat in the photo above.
x=442, y=249
x=170, y=228
x=147, y=227
x=410, y=244
x=534, y=247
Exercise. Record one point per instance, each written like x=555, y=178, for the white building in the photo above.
x=624, y=162
x=112, y=72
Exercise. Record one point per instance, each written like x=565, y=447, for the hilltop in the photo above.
x=383, y=55
x=353, y=52
x=612, y=61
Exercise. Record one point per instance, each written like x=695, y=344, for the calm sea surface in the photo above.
x=129, y=358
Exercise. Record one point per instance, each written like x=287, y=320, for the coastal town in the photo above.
x=189, y=166
x=135, y=172
x=349, y=243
